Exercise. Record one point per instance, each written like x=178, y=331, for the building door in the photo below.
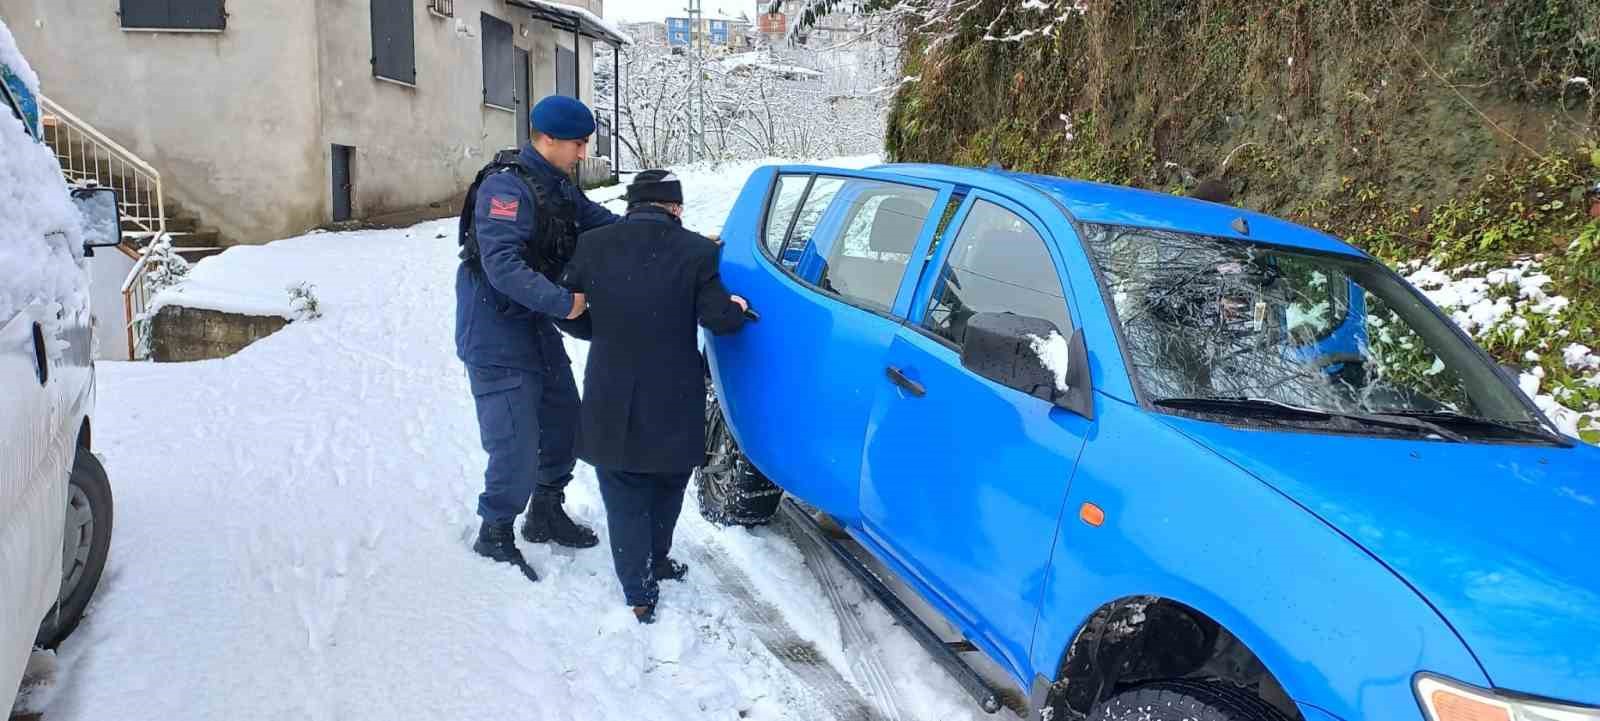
x=524, y=93
x=566, y=72
x=342, y=182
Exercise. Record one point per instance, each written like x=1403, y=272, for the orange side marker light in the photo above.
x=1091, y=514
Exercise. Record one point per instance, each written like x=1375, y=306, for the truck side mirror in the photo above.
x=1006, y=348
x=101, y=216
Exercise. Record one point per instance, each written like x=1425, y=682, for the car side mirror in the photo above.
x=101, y=216
x=1029, y=355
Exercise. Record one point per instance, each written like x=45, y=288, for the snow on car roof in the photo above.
x=41, y=236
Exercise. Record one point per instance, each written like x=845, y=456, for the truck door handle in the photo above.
x=899, y=378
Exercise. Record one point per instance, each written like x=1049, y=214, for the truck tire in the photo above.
x=1186, y=700
x=732, y=492
x=85, y=546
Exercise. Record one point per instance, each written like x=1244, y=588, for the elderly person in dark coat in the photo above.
x=649, y=282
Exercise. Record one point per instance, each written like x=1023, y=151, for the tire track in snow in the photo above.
x=837, y=695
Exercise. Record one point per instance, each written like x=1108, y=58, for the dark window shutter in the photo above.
x=198, y=14
x=394, y=48
x=499, y=78
x=146, y=14
x=174, y=14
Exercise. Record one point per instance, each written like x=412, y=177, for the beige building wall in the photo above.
x=241, y=123
x=413, y=144
x=230, y=119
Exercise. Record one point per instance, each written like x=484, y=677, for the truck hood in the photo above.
x=1504, y=540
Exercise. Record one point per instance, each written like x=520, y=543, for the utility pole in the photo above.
x=698, y=96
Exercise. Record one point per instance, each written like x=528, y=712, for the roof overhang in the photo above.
x=574, y=20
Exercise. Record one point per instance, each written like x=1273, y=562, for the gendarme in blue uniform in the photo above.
x=517, y=366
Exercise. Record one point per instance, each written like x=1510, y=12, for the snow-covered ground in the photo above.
x=293, y=530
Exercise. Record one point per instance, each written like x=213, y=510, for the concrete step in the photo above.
x=174, y=225
x=194, y=254
x=196, y=239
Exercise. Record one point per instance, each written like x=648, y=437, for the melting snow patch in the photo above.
x=1056, y=355
x=1578, y=357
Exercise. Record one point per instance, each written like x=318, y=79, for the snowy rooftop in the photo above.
x=585, y=22
x=764, y=62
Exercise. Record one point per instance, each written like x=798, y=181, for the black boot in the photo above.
x=497, y=542
x=548, y=521
x=645, y=614
x=669, y=570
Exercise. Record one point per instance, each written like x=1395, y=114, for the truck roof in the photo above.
x=1092, y=202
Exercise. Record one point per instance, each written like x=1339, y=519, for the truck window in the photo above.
x=781, y=209
x=867, y=257
x=997, y=264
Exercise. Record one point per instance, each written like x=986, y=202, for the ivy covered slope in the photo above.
x=1457, y=140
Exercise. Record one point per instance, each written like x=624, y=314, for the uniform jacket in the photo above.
x=504, y=307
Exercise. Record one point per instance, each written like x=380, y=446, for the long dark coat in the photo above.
x=649, y=283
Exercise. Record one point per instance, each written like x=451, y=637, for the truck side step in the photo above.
x=981, y=691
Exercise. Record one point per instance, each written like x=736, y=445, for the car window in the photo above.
x=785, y=201
x=862, y=252
x=997, y=264
x=816, y=202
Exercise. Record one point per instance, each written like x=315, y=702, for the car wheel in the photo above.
x=85, y=545
x=1186, y=701
x=732, y=492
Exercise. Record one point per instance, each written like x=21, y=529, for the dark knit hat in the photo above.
x=655, y=186
x=562, y=118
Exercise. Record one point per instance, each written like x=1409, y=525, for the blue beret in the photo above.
x=562, y=118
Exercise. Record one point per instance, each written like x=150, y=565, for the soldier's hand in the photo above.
x=579, y=305
x=716, y=238
x=743, y=304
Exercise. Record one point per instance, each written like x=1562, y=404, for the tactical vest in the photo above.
x=555, y=231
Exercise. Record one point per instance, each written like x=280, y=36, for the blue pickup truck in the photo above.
x=1158, y=459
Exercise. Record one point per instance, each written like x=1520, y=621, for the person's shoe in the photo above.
x=670, y=570
x=548, y=522
x=645, y=614
x=497, y=542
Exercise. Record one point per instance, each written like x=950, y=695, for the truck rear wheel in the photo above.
x=732, y=492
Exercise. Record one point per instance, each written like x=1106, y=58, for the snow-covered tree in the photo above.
x=777, y=101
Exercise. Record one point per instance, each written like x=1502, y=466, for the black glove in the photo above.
x=581, y=327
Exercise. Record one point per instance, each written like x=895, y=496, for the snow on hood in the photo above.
x=1498, y=537
x=41, y=237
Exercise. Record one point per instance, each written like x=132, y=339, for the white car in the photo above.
x=55, y=499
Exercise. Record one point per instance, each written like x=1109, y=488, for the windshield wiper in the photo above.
x=1462, y=420
x=1284, y=410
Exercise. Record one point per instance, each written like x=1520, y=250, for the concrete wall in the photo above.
x=414, y=145
x=230, y=119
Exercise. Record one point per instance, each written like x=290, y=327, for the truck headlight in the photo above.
x=1446, y=700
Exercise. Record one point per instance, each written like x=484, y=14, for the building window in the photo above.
x=443, y=8
x=192, y=15
x=394, y=48
x=499, y=64
x=566, y=72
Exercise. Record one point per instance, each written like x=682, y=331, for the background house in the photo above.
x=265, y=118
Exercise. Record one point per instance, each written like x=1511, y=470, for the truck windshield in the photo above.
x=1263, y=328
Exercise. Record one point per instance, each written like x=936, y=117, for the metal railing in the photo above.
x=87, y=156
x=135, y=299
x=446, y=8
